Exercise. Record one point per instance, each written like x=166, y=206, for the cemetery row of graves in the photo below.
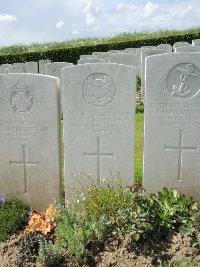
x=93, y=103
x=96, y=99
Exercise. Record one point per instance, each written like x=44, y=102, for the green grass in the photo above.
x=139, y=124
x=20, y=48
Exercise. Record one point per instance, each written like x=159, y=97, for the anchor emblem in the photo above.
x=182, y=90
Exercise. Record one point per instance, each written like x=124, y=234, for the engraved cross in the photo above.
x=180, y=148
x=25, y=163
x=99, y=155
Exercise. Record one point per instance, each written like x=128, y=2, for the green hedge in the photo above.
x=72, y=54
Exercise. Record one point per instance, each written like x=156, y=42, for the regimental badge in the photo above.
x=98, y=89
x=21, y=99
x=183, y=81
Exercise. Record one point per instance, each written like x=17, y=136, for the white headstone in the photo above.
x=5, y=68
x=90, y=60
x=54, y=69
x=131, y=50
x=113, y=51
x=126, y=59
x=42, y=65
x=145, y=54
x=18, y=68
x=196, y=42
x=30, y=138
x=31, y=67
x=172, y=123
x=87, y=56
x=164, y=46
x=103, y=55
x=139, y=64
x=148, y=47
x=180, y=44
x=188, y=49
x=99, y=115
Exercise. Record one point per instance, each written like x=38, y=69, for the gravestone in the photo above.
x=90, y=60
x=87, y=56
x=102, y=55
x=139, y=64
x=18, y=68
x=99, y=115
x=30, y=138
x=145, y=54
x=147, y=47
x=42, y=65
x=54, y=69
x=164, y=46
x=31, y=67
x=5, y=68
x=131, y=50
x=180, y=44
x=196, y=42
x=126, y=59
x=188, y=49
x=113, y=51
x=172, y=123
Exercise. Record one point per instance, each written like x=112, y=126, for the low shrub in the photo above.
x=152, y=217
x=13, y=216
x=109, y=210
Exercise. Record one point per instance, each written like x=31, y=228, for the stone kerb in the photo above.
x=99, y=115
x=30, y=138
x=172, y=123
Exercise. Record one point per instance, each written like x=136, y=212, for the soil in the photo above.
x=21, y=251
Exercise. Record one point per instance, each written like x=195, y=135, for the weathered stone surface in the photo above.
x=90, y=60
x=5, y=68
x=188, y=49
x=126, y=59
x=196, y=42
x=148, y=47
x=30, y=138
x=99, y=115
x=18, y=68
x=31, y=67
x=54, y=69
x=42, y=65
x=87, y=56
x=172, y=123
x=180, y=44
x=131, y=50
x=164, y=46
x=145, y=54
x=103, y=55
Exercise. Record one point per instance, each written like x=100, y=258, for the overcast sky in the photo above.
x=28, y=21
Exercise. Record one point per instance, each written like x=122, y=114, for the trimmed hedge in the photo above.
x=72, y=54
